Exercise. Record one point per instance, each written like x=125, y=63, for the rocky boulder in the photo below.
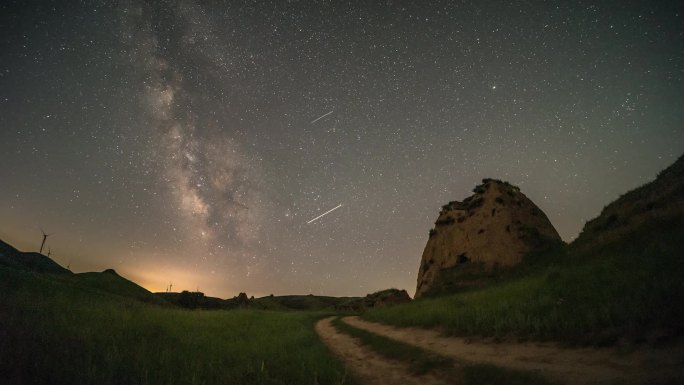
x=386, y=297
x=495, y=227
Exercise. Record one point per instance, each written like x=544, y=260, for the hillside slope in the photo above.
x=45, y=268
x=659, y=200
x=11, y=257
x=110, y=281
x=617, y=283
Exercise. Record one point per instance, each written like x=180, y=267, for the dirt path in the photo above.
x=563, y=366
x=368, y=366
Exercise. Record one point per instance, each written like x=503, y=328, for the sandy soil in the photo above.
x=563, y=366
x=368, y=366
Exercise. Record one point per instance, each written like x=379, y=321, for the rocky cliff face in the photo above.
x=495, y=227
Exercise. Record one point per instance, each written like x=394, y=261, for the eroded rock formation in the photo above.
x=495, y=227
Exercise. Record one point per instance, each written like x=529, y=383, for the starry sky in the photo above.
x=193, y=142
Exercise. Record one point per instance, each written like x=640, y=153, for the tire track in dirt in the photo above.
x=368, y=366
x=563, y=366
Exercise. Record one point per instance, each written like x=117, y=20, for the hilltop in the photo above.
x=43, y=268
x=657, y=201
x=11, y=257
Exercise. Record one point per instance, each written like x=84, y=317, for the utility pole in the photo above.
x=49, y=252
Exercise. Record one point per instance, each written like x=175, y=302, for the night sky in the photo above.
x=192, y=143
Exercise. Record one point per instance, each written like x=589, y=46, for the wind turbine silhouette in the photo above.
x=45, y=235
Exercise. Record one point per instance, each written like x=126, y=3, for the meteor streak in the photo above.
x=321, y=117
x=326, y=213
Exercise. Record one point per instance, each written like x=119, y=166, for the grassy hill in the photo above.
x=95, y=329
x=660, y=200
x=11, y=257
x=197, y=300
x=301, y=302
x=620, y=281
x=110, y=282
x=45, y=269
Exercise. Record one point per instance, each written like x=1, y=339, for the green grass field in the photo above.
x=632, y=289
x=52, y=331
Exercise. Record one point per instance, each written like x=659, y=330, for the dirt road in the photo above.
x=563, y=366
x=368, y=366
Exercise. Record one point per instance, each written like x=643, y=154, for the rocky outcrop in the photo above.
x=386, y=297
x=495, y=227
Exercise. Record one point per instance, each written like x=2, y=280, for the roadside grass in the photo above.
x=631, y=289
x=421, y=361
x=55, y=333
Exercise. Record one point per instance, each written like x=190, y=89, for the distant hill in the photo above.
x=11, y=257
x=301, y=302
x=197, y=300
x=380, y=298
x=310, y=302
x=107, y=281
x=111, y=282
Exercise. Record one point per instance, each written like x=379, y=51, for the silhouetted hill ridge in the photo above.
x=111, y=282
x=108, y=281
x=14, y=258
x=659, y=200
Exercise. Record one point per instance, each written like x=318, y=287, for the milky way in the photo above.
x=193, y=142
x=214, y=182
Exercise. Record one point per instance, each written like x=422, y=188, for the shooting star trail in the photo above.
x=326, y=213
x=321, y=117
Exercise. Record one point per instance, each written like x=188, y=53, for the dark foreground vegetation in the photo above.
x=54, y=330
